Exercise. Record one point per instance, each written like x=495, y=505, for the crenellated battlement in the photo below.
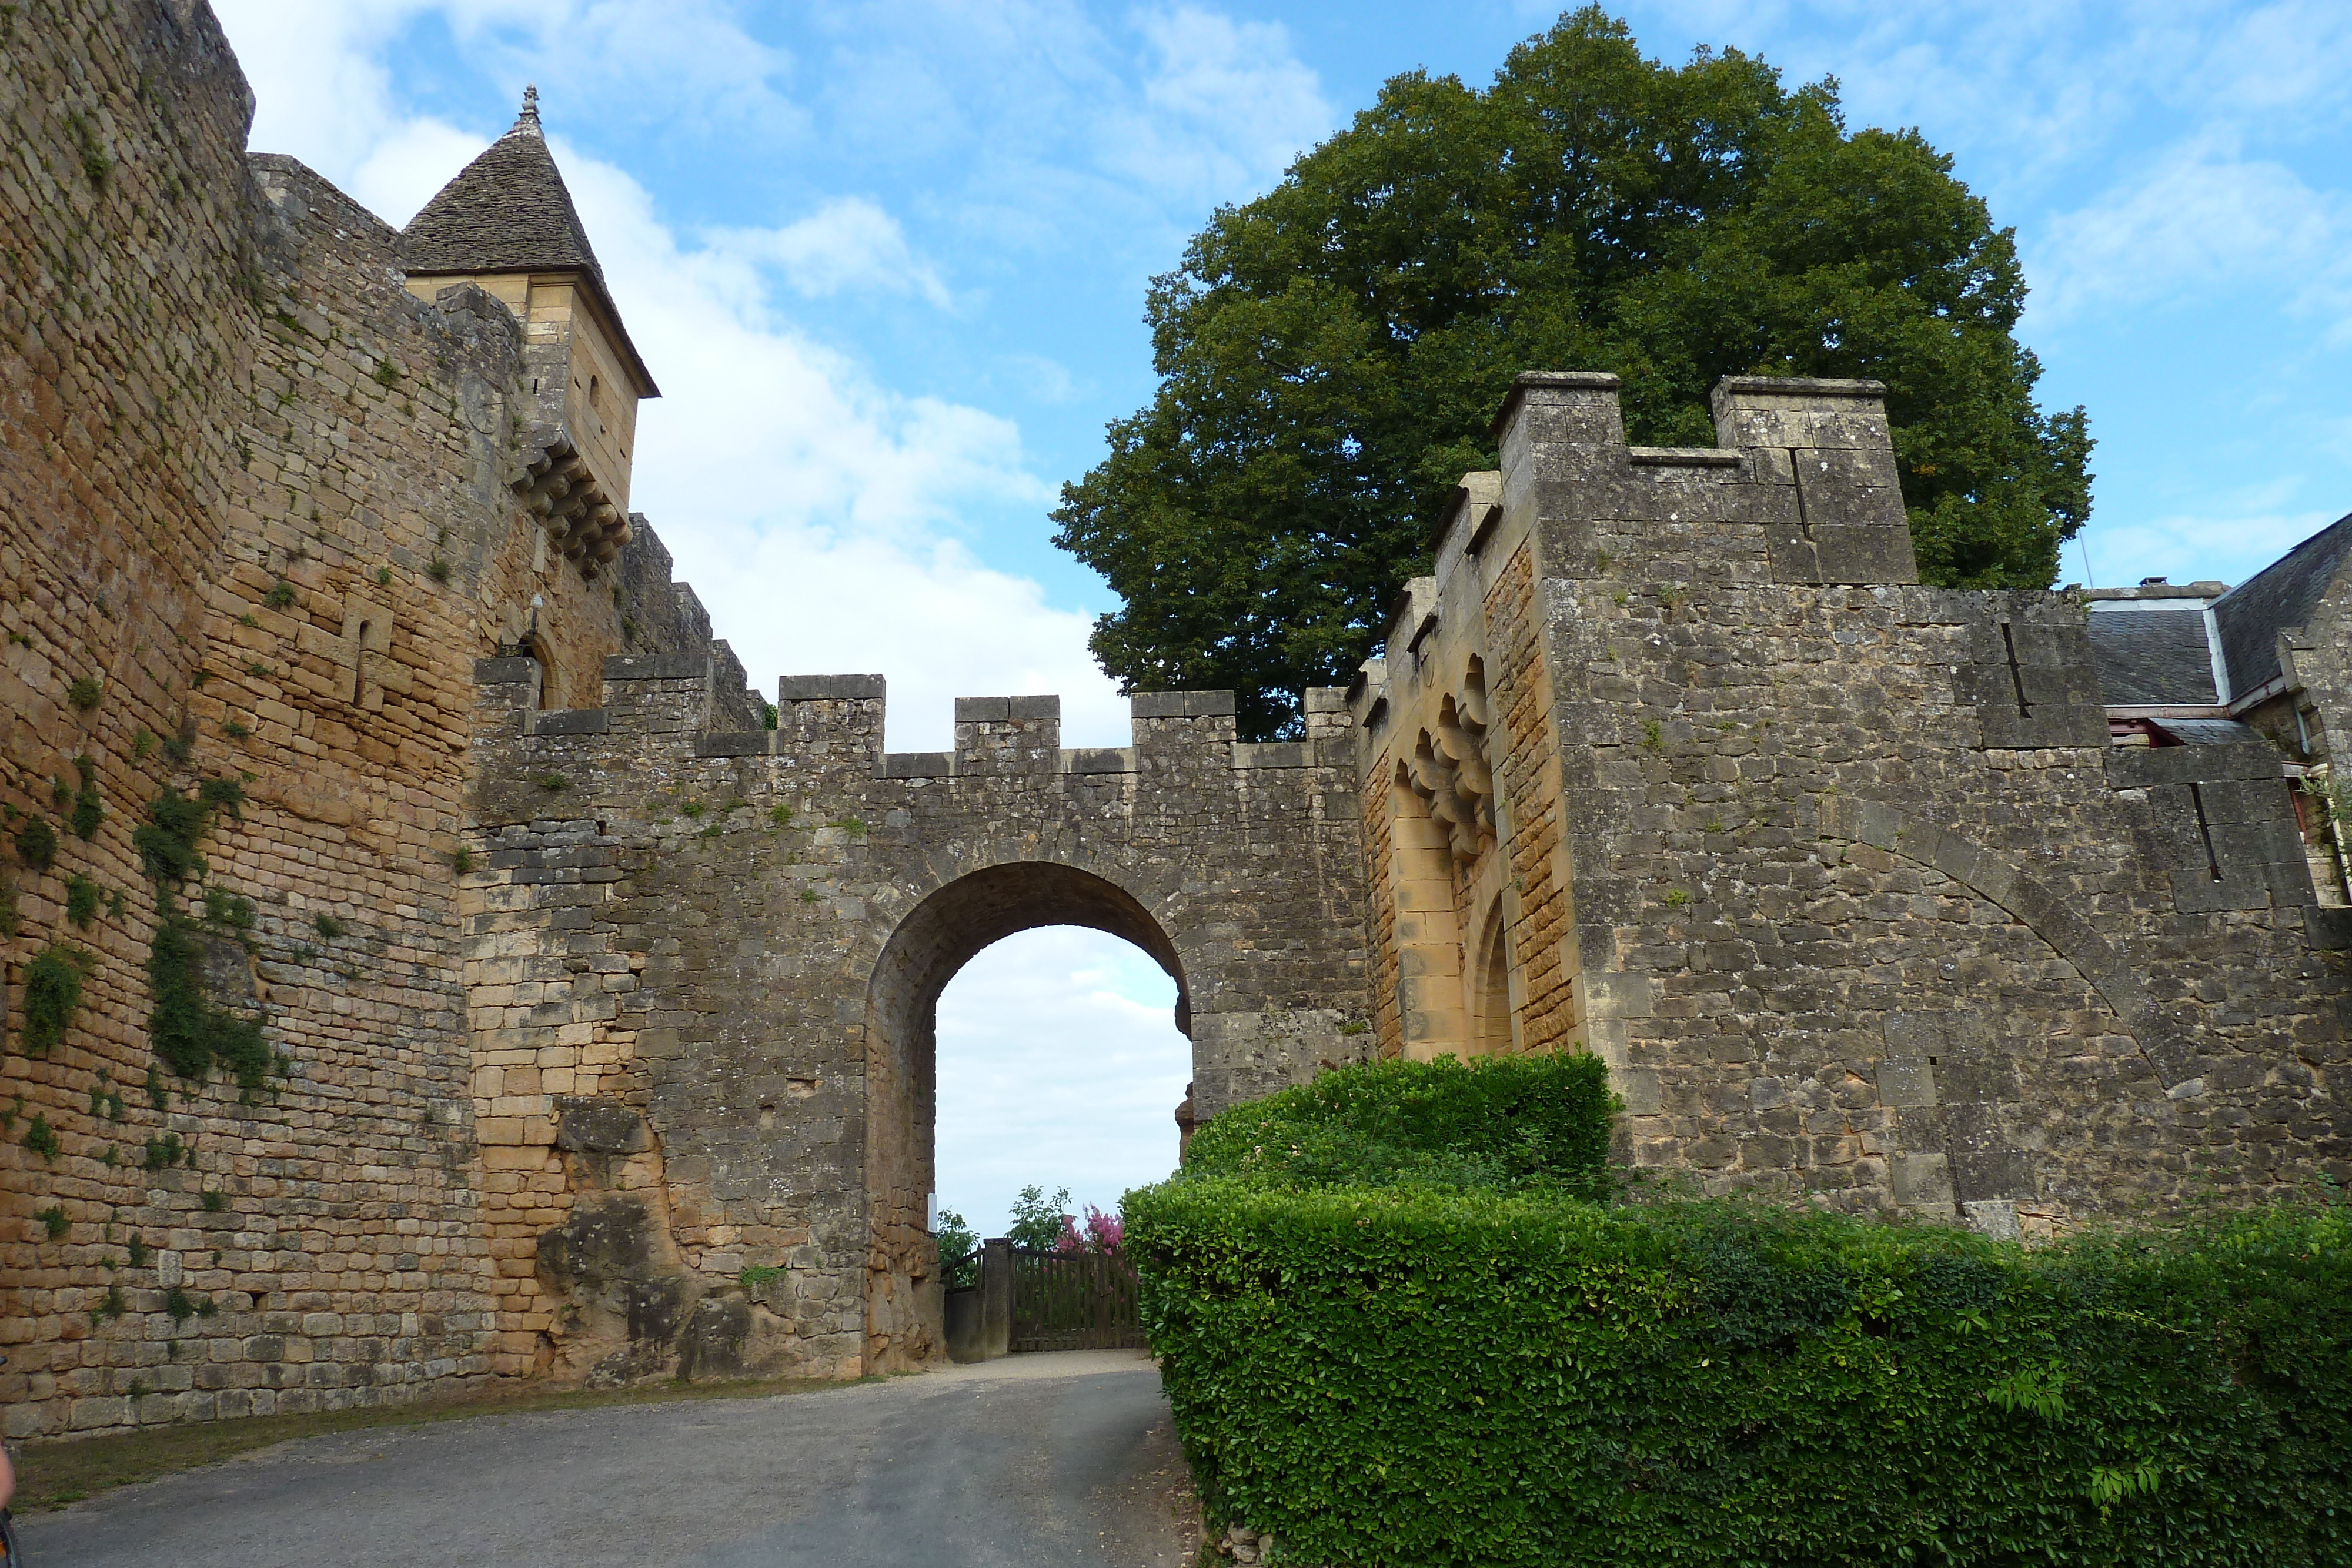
x=836, y=722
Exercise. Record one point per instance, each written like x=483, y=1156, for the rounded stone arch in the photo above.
x=931, y=943
x=1493, y=1022
x=2005, y=884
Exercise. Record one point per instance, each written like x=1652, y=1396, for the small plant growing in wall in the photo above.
x=89, y=810
x=386, y=375
x=1676, y=898
x=330, y=927
x=36, y=844
x=85, y=692
x=461, y=859
x=438, y=569
x=215, y=1200
x=553, y=783
x=81, y=901
x=279, y=596
x=137, y=1249
x=112, y=1305
x=164, y=1153
x=53, y=1218
x=52, y=995
x=179, y=1305
x=42, y=1139
x=383, y=576
x=226, y=911
x=758, y=1274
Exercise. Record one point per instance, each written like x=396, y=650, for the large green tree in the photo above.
x=1331, y=354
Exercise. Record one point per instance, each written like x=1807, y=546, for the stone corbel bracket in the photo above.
x=558, y=487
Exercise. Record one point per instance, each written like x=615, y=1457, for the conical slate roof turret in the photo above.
x=508, y=211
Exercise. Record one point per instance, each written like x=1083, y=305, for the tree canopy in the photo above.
x=1329, y=354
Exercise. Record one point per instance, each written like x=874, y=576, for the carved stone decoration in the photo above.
x=558, y=487
x=1449, y=771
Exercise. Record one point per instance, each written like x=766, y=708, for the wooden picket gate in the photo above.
x=1074, y=1300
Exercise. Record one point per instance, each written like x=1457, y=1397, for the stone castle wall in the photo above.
x=257, y=495
x=1865, y=905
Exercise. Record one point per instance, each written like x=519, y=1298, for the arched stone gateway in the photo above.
x=706, y=963
x=935, y=941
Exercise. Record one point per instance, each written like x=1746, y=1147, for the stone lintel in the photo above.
x=656, y=666
x=571, y=721
x=830, y=688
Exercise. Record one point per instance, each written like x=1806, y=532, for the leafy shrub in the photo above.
x=1037, y=1221
x=81, y=901
x=1512, y=1123
x=1405, y=1374
x=42, y=1138
x=85, y=692
x=53, y=1219
x=959, y=1250
x=36, y=844
x=166, y=842
x=188, y=1030
x=52, y=995
x=89, y=808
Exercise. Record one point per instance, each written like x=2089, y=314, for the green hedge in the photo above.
x=1418, y=1375
x=1509, y=1123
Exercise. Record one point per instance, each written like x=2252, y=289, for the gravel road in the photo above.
x=1027, y=1462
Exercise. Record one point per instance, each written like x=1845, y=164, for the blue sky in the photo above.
x=887, y=262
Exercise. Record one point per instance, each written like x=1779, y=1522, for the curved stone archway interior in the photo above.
x=936, y=940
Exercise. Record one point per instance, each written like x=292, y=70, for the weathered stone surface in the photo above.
x=608, y=1009
x=1839, y=873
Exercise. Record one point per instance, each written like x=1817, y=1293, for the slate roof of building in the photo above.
x=2209, y=731
x=509, y=211
x=2283, y=594
x=2153, y=657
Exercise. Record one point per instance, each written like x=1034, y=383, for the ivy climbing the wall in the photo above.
x=191, y=1032
x=52, y=995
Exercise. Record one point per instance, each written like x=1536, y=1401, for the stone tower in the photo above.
x=507, y=222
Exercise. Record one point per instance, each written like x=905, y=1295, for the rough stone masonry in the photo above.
x=588, y=981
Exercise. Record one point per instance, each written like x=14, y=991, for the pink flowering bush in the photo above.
x=1101, y=1233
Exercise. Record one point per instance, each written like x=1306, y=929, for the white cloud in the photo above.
x=1226, y=107
x=2199, y=221
x=849, y=243
x=408, y=166
x=1059, y=1064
